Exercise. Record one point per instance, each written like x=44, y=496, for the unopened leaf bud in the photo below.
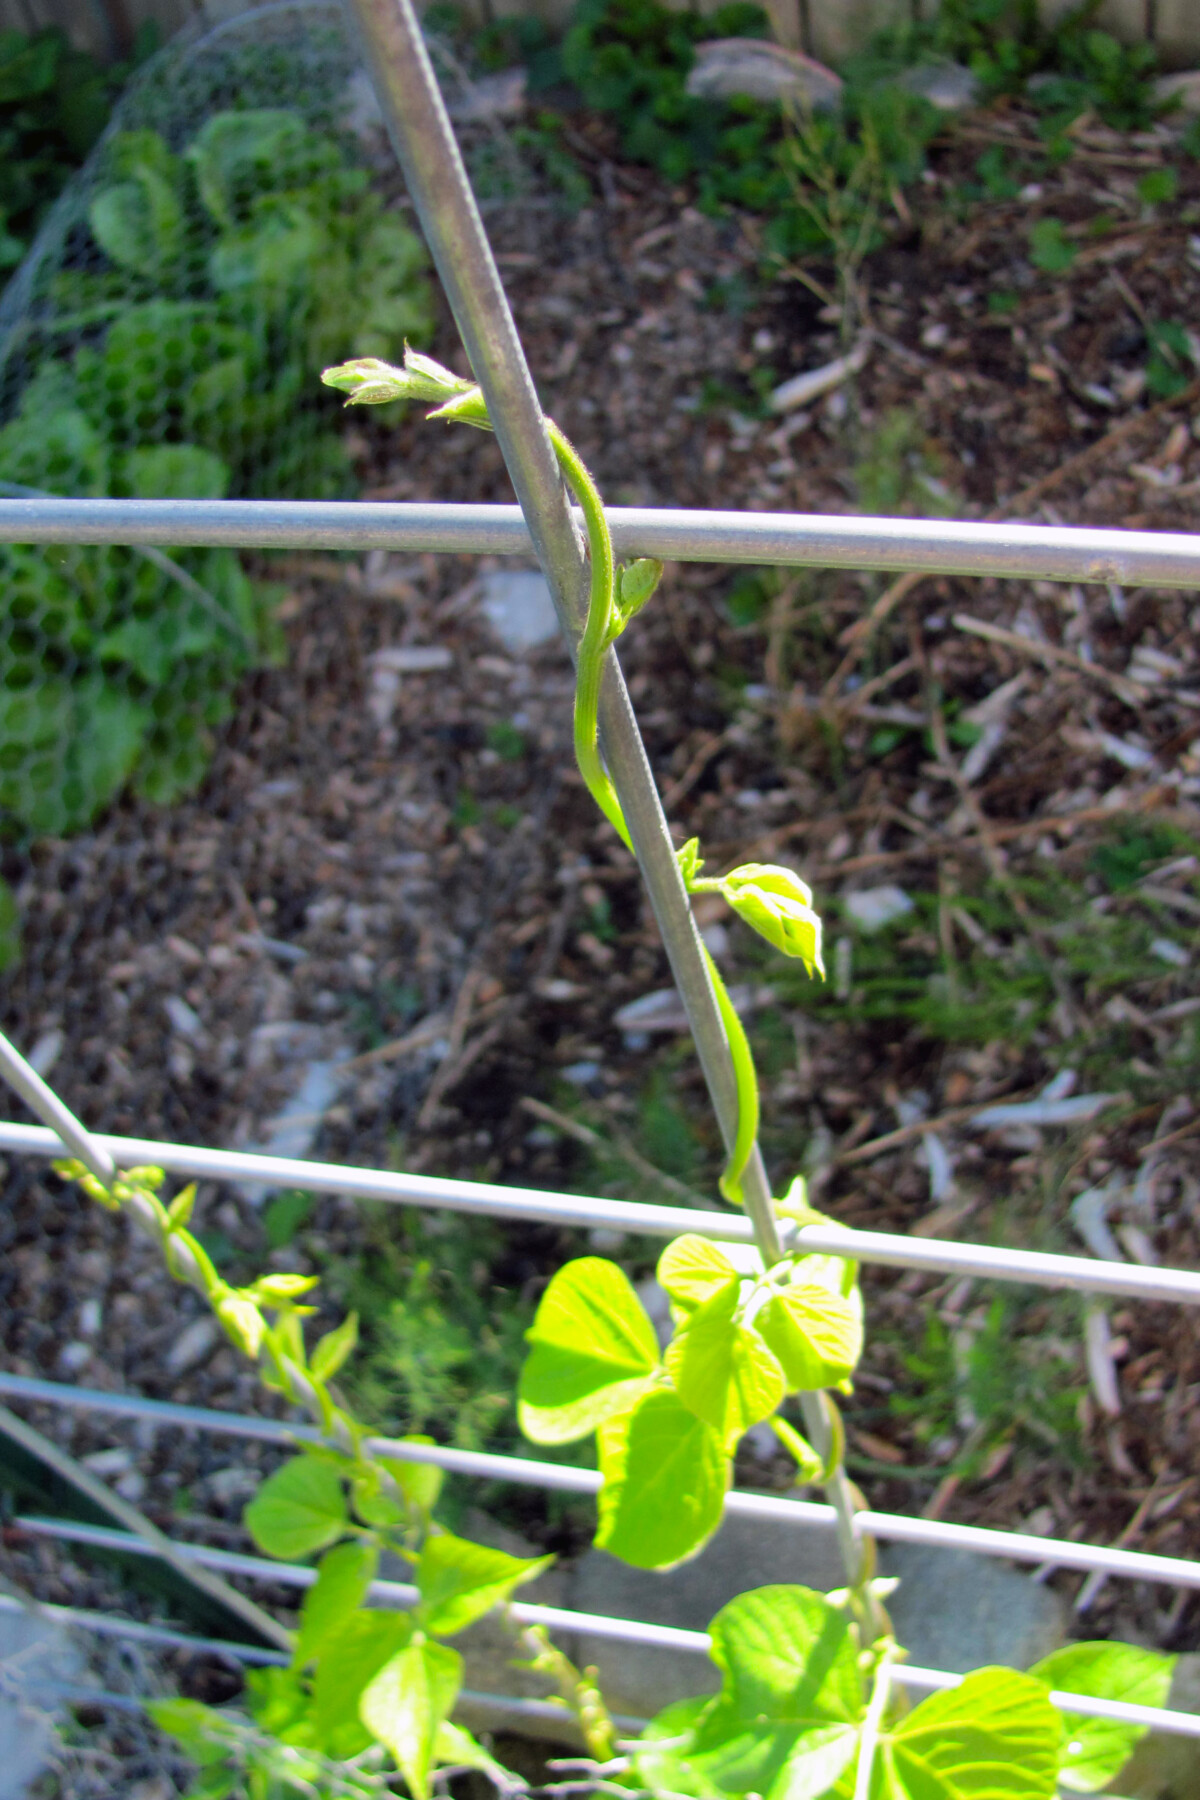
x=775, y=902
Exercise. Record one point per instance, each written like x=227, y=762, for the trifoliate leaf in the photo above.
x=593, y=1349
x=722, y=1370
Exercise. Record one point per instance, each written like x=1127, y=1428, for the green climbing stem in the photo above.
x=597, y=635
x=596, y=638
x=747, y=1088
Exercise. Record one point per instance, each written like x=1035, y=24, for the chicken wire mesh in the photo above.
x=164, y=339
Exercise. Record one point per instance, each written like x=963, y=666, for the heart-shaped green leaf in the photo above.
x=593, y=1349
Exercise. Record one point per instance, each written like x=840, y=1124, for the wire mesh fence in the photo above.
x=195, y=227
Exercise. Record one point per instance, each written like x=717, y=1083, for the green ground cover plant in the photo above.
x=809, y=1706
x=175, y=365
x=54, y=103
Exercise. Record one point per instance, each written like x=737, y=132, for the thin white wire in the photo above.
x=985, y=1261
x=629, y=1631
x=1013, y=1546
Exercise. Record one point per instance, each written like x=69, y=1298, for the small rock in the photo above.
x=46, y=1052
x=491, y=97
x=184, y=1018
x=90, y=1314
x=234, y=1483
x=873, y=908
x=948, y=86
x=194, y=1343
x=581, y=1074
x=663, y=1010
x=74, y=1357
x=413, y=659
x=117, y=1461
x=34, y=1652
x=132, y=1487
x=517, y=605
x=758, y=70
x=985, y=1611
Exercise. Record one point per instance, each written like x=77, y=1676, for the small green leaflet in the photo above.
x=1095, y=1751
x=406, y=1704
x=460, y=1581
x=665, y=1476
x=344, y=1575
x=817, y=1336
x=994, y=1737
x=693, y=1270
x=593, y=1350
x=456, y=1748
x=722, y=1370
x=298, y=1509
x=331, y=1351
x=348, y=1661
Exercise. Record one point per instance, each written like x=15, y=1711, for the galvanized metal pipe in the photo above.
x=989, y=1262
x=525, y=1471
x=555, y=1618
x=673, y=534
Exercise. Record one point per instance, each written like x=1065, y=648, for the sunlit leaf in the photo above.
x=406, y=1704
x=593, y=1348
x=460, y=1581
x=665, y=1476
x=1095, y=1751
x=298, y=1509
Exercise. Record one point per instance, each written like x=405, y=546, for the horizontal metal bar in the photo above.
x=109, y=1625
x=628, y=1631
x=802, y=540
x=987, y=1261
x=393, y=1594
x=525, y=1471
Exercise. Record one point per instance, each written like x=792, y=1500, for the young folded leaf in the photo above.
x=634, y=584
x=1094, y=1751
x=593, y=1353
x=665, y=1477
x=406, y=1704
x=722, y=1370
x=692, y=1269
x=298, y=1509
x=343, y=1578
x=460, y=1581
x=369, y=382
x=778, y=905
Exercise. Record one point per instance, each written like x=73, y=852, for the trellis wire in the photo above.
x=813, y=540
x=527, y=1471
x=401, y=1595
x=638, y=1218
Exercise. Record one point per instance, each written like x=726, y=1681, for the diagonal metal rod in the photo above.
x=423, y=138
